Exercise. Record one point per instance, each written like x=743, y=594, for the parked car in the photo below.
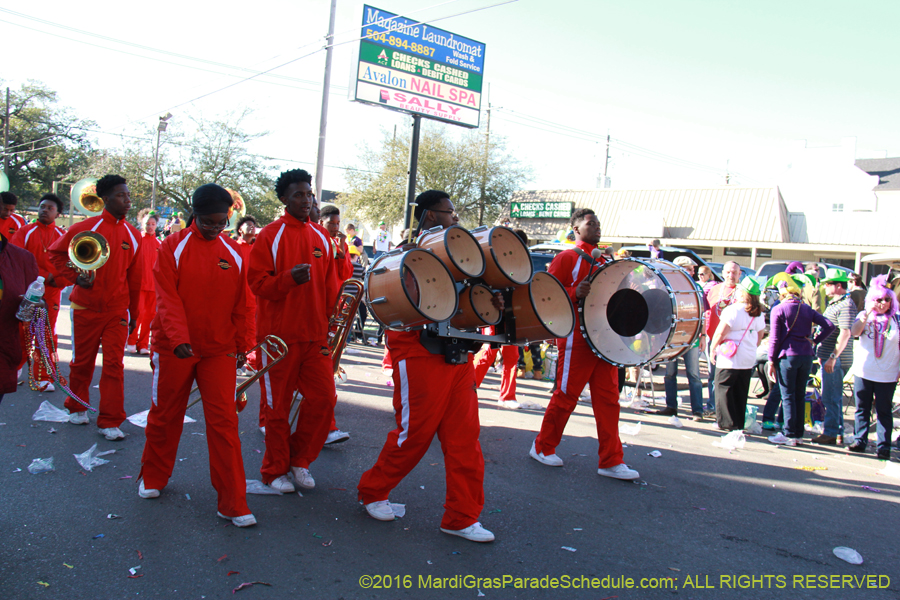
x=670, y=254
x=771, y=268
x=541, y=260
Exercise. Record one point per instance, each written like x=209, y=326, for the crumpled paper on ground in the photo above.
x=849, y=555
x=41, y=465
x=399, y=509
x=47, y=412
x=733, y=441
x=676, y=422
x=627, y=429
x=90, y=458
x=140, y=419
x=755, y=428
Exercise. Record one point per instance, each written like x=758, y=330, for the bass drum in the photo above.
x=641, y=311
x=410, y=288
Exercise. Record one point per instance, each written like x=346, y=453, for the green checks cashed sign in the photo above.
x=541, y=210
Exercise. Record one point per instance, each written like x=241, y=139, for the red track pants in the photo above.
x=140, y=337
x=172, y=381
x=578, y=366
x=432, y=397
x=92, y=329
x=307, y=369
x=510, y=356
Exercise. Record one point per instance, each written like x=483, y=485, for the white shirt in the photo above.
x=868, y=366
x=736, y=317
x=382, y=241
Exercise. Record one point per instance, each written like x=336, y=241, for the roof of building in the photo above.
x=711, y=214
x=887, y=170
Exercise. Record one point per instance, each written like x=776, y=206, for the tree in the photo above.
x=215, y=152
x=47, y=142
x=479, y=177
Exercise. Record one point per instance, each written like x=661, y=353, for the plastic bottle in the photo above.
x=33, y=296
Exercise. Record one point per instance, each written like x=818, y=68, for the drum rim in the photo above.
x=490, y=232
x=404, y=254
x=477, y=245
x=697, y=292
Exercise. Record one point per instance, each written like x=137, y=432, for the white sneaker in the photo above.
x=474, y=532
x=130, y=348
x=112, y=433
x=144, y=351
x=510, y=404
x=336, y=437
x=551, y=461
x=45, y=386
x=620, y=471
x=242, y=521
x=303, y=478
x=282, y=484
x=782, y=440
x=373, y=343
x=380, y=510
x=79, y=418
x=145, y=493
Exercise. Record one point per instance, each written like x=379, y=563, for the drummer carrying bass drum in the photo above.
x=578, y=365
x=431, y=397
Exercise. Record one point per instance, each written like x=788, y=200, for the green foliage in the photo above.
x=479, y=187
x=47, y=142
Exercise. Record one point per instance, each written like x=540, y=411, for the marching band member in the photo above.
x=9, y=220
x=578, y=365
x=105, y=309
x=199, y=329
x=246, y=235
x=510, y=358
x=290, y=272
x=431, y=397
x=330, y=219
x=139, y=339
x=37, y=238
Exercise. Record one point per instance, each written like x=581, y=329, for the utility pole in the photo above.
x=6, y=138
x=163, y=123
x=484, y=168
x=606, y=164
x=323, y=116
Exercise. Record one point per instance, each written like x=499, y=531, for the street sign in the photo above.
x=541, y=210
x=415, y=68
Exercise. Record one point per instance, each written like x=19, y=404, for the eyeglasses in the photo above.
x=212, y=226
x=883, y=300
x=446, y=212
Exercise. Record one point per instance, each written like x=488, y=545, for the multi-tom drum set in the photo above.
x=638, y=310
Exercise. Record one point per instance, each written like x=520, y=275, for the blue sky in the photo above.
x=684, y=88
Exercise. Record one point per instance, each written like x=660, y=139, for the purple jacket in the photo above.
x=18, y=268
x=785, y=340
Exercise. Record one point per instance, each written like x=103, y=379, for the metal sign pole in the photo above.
x=413, y=166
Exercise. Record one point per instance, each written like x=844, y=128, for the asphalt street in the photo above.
x=703, y=522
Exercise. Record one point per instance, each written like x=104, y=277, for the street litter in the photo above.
x=626, y=429
x=140, y=419
x=52, y=430
x=328, y=543
x=569, y=548
x=399, y=509
x=676, y=422
x=133, y=570
x=255, y=486
x=135, y=576
x=41, y=465
x=126, y=477
x=890, y=469
x=755, y=428
x=848, y=555
x=809, y=468
x=98, y=536
x=18, y=470
x=655, y=454
x=90, y=458
x=221, y=558
x=47, y=412
x=113, y=516
x=248, y=584
x=871, y=489
x=732, y=441
x=43, y=583
x=230, y=573
x=188, y=496
x=68, y=566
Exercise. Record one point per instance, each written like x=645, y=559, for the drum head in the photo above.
x=508, y=262
x=410, y=289
x=628, y=316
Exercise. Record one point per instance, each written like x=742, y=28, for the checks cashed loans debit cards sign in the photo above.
x=413, y=67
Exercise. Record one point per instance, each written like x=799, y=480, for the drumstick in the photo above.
x=596, y=253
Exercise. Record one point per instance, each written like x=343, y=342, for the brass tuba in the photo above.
x=88, y=251
x=85, y=199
